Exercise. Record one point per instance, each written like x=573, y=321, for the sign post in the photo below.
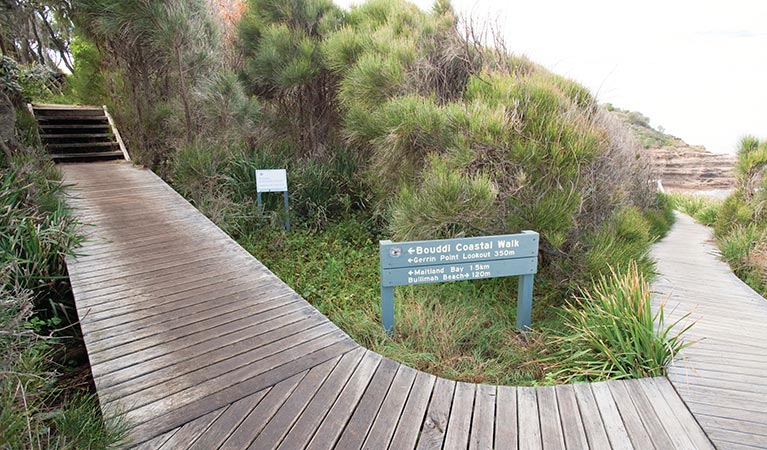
x=275, y=180
x=446, y=260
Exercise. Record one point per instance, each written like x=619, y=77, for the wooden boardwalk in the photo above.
x=200, y=346
x=722, y=378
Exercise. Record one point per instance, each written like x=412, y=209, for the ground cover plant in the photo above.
x=46, y=397
x=47, y=401
x=393, y=123
x=739, y=221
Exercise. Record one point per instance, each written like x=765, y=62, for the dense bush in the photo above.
x=394, y=117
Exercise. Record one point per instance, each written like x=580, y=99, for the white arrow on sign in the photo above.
x=410, y=272
x=410, y=260
x=410, y=250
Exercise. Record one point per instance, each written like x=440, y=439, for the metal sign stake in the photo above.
x=274, y=180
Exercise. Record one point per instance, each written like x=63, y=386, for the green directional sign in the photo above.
x=446, y=260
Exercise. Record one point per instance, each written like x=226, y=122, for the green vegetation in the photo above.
x=740, y=221
x=703, y=209
x=392, y=124
x=646, y=134
x=46, y=401
x=610, y=332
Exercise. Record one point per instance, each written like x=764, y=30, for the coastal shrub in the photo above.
x=621, y=243
x=741, y=221
x=446, y=204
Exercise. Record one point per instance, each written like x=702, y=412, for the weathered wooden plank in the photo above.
x=161, y=356
x=409, y=426
x=280, y=423
x=309, y=420
x=391, y=409
x=611, y=418
x=197, y=403
x=506, y=436
x=572, y=425
x=157, y=442
x=592, y=421
x=459, y=423
x=201, y=368
x=198, y=310
x=228, y=421
x=359, y=424
x=218, y=319
x=152, y=266
x=191, y=431
x=552, y=433
x=437, y=415
x=726, y=438
x=529, y=419
x=122, y=310
x=483, y=421
x=634, y=426
x=745, y=416
x=730, y=424
x=207, y=268
x=176, y=392
x=336, y=419
x=649, y=418
x=143, y=297
x=247, y=431
x=662, y=389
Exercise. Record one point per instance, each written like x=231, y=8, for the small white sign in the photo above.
x=275, y=180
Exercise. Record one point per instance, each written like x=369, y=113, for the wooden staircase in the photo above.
x=73, y=133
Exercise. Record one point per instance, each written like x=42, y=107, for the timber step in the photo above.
x=87, y=156
x=77, y=133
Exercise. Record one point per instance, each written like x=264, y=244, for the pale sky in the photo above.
x=698, y=68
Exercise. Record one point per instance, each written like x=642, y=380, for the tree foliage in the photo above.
x=36, y=32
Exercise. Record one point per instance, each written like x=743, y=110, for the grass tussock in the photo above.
x=46, y=400
x=612, y=332
x=739, y=221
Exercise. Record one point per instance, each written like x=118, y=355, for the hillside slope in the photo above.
x=680, y=166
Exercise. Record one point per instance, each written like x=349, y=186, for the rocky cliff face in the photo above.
x=686, y=167
x=680, y=166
